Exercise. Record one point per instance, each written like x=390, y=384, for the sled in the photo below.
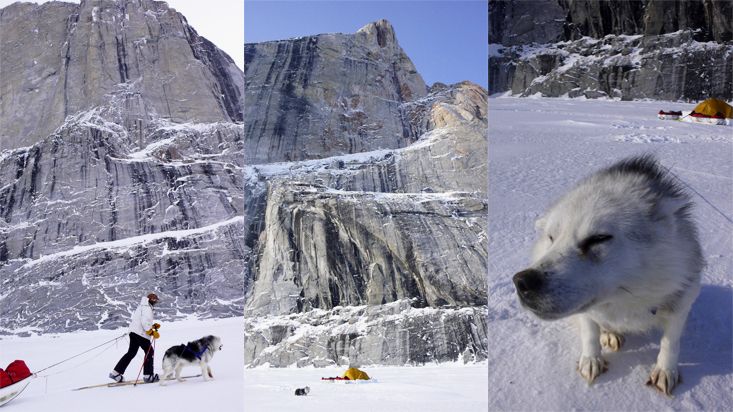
x=708, y=120
x=350, y=382
x=671, y=115
x=127, y=383
x=10, y=392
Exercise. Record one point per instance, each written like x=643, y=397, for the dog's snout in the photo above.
x=527, y=281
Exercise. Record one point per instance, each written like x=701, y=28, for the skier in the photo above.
x=142, y=331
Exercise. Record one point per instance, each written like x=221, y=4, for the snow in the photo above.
x=134, y=241
x=496, y=50
x=284, y=168
x=52, y=390
x=145, y=154
x=538, y=149
x=443, y=387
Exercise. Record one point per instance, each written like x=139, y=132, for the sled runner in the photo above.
x=13, y=380
x=10, y=392
x=126, y=383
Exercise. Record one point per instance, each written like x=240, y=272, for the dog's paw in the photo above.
x=181, y=380
x=590, y=367
x=612, y=341
x=664, y=380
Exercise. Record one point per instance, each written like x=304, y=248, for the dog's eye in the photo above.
x=591, y=241
x=551, y=238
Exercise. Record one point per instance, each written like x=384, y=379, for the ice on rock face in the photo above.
x=78, y=73
x=634, y=51
x=119, y=185
x=391, y=334
x=365, y=223
x=335, y=94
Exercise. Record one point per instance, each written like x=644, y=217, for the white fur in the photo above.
x=646, y=276
x=172, y=365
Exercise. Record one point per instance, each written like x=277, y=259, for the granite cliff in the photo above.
x=629, y=50
x=365, y=224
x=121, y=158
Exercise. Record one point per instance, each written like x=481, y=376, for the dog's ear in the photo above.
x=665, y=207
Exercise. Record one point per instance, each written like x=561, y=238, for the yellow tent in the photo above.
x=355, y=374
x=713, y=107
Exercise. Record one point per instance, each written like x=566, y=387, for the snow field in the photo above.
x=52, y=390
x=443, y=387
x=538, y=149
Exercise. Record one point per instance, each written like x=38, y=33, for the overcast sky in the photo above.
x=221, y=21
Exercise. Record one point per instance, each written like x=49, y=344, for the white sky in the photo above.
x=221, y=21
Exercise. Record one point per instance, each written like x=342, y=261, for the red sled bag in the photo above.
x=4, y=379
x=18, y=371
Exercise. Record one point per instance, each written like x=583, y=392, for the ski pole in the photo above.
x=152, y=346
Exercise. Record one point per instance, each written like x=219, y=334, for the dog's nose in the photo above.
x=529, y=280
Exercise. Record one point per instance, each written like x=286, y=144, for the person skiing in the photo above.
x=142, y=330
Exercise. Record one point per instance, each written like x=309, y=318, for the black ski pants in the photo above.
x=136, y=342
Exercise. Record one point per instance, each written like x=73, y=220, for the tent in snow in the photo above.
x=355, y=374
x=351, y=374
x=713, y=111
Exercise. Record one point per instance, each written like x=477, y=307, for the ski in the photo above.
x=126, y=383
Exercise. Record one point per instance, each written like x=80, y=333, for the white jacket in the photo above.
x=142, y=318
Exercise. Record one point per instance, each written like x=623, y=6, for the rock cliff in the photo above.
x=329, y=94
x=121, y=166
x=62, y=58
x=637, y=49
x=371, y=252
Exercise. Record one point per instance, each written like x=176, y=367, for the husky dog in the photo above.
x=197, y=352
x=620, y=251
x=302, y=391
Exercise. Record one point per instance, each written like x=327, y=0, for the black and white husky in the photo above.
x=198, y=352
x=619, y=251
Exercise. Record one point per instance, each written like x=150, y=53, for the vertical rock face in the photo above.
x=326, y=95
x=60, y=59
x=121, y=166
x=633, y=49
x=373, y=254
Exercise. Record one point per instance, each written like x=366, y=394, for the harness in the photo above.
x=198, y=355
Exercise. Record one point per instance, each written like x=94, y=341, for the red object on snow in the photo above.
x=18, y=370
x=5, y=379
x=705, y=116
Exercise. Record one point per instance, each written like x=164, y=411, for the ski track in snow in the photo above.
x=538, y=149
x=52, y=390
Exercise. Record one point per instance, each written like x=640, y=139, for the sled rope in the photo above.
x=82, y=353
x=76, y=365
x=720, y=212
